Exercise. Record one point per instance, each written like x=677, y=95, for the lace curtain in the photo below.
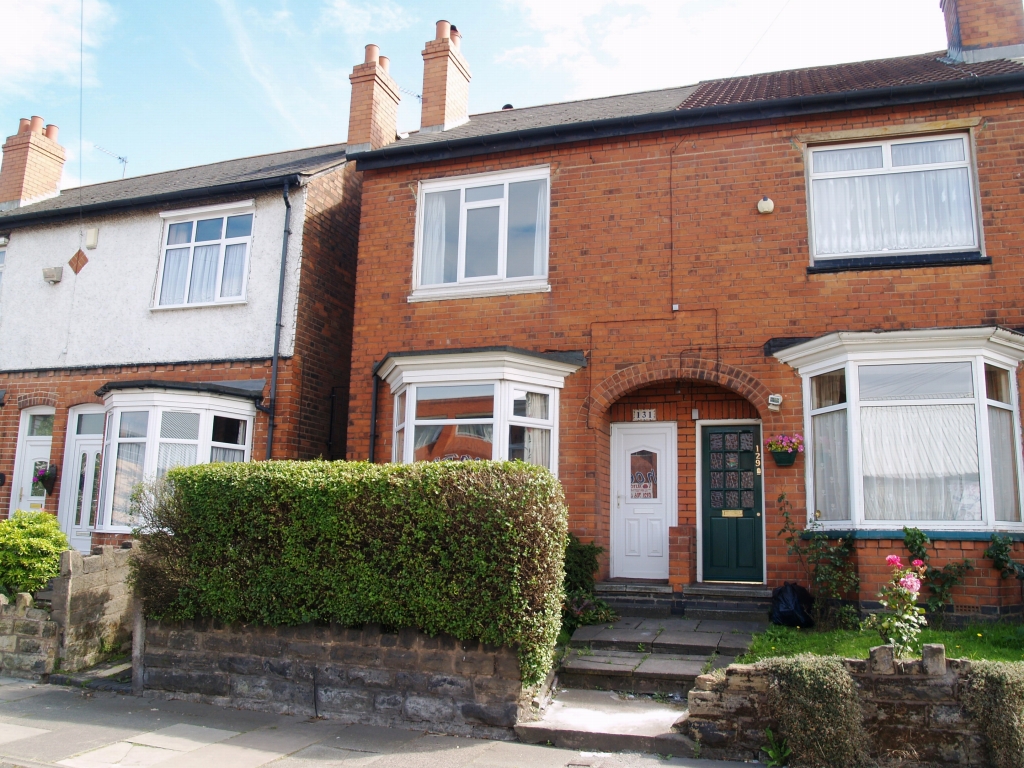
x=831, y=466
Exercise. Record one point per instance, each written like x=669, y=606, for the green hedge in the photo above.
x=30, y=547
x=473, y=549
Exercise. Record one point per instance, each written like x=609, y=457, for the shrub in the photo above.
x=994, y=697
x=30, y=547
x=581, y=607
x=814, y=699
x=902, y=620
x=473, y=549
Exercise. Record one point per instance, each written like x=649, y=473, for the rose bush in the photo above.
x=902, y=620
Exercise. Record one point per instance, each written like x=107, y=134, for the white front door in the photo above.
x=80, y=488
x=35, y=436
x=643, y=496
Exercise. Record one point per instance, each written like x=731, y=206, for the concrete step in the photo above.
x=597, y=721
x=633, y=672
x=729, y=615
x=712, y=589
x=638, y=598
x=667, y=635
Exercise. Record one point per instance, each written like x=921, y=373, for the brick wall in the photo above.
x=357, y=675
x=641, y=223
x=28, y=638
x=32, y=165
x=987, y=23
x=906, y=704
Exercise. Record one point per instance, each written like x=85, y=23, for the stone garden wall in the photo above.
x=910, y=708
x=92, y=604
x=353, y=675
x=28, y=638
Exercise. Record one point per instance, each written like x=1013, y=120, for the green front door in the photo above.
x=731, y=506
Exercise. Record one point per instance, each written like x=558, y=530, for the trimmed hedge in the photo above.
x=30, y=547
x=995, y=700
x=473, y=549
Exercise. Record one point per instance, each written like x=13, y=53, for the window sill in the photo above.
x=944, y=535
x=903, y=261
x=198, y=306
x=445, y=293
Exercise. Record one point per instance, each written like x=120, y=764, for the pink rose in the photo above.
x=894, y=561
x=917, y=563
x=911, y=582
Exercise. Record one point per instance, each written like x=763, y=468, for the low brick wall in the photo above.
x=93, y=605
x=913, y=704
x=28, y=638
x=353, y=675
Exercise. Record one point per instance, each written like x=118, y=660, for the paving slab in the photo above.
x=120, y=754
x=687, y=642
x=321, y=756
x=670, y=625
x=734, y=644
x=597, y=664
x=182, y=737
x=746, y=627
x=624, y=639
x=10, y=732
x=657, y=667
x=625, y=622
x=583, y=635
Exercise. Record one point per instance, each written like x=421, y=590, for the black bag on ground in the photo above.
x=791, y=606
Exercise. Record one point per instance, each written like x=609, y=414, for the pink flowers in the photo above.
x=893, y=561
x=785, y=444
x=911, y=583
x=916, y=563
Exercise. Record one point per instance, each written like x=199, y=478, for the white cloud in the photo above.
x=617, y=46
x=357, y=18
x=42, y=42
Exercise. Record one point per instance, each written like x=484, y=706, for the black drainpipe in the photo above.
x=277, y=326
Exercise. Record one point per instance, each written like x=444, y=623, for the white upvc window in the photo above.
x=496, y=403
x=205, y=256
x=482, y=235
x=925, y=435
x=893, y=197
x=148, y=433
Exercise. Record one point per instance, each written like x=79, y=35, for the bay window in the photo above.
x=892, y=197
x=915, y=428
x=497, y=403
x=150, y=432
x=482, y=235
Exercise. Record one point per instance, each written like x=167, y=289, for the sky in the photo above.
x=174, y=84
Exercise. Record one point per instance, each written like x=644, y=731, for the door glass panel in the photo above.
x=643, y=471
x=732, y=499
x=717, y=499
x=732, y=442
x=37, y=488
x=748, y=498
x=83, y=468
x=40, y=425
x=718, y=480
x=746, y=441
x=732, y=461
x=716, y=459
x=96, y=474
x=90, y=423
x=716, y=441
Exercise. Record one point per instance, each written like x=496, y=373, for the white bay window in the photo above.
x=893, y=197
x=912, y=428
x=482, y=235
x=496, y=403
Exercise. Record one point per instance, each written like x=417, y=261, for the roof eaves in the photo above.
x=248, y=390
x=397, y=154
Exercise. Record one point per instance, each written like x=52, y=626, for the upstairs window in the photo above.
x=482, y=235
x=892, y=198
x=205, y=260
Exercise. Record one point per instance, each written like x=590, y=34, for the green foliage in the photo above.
x=777, y=750
x=474, y=549
x=580, y=606
x=815, y=701
x=30, y=547
x=1000, y=552
x=994, y=698
x=999, y=642
x=940, y=581
x=902, y=620
x=829, y=566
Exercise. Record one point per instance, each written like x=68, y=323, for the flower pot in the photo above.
x=785, y=458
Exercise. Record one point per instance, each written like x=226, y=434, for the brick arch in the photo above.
x=37, y=398
x=687, y=368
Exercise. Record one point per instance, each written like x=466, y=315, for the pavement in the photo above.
x=49, y=725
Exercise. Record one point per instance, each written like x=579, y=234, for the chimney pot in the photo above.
x=24, y=126
x=37, y=124
x=51, y=132
x=443, y=30
x=372, y=53
x=384, y=63
x=455, y=35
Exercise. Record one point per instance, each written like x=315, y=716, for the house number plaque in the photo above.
x=645, y=414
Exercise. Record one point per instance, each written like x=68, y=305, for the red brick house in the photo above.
x=637, y=291
x=203, y=314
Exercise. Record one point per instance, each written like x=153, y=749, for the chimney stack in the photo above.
x=32, y=164
x=446, y=79
x=982, y=30
x=373, y=112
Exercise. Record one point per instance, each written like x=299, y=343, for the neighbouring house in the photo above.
x=636, y=291
x=204, y=314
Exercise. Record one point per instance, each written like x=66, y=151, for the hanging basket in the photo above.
x=785, y=458
x=49, y=479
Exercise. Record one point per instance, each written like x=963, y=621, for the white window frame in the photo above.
x=155, y=403
x=479, y=286
x=195, y=215
x=849, y=351
x=888, y=169
x=507, y=370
